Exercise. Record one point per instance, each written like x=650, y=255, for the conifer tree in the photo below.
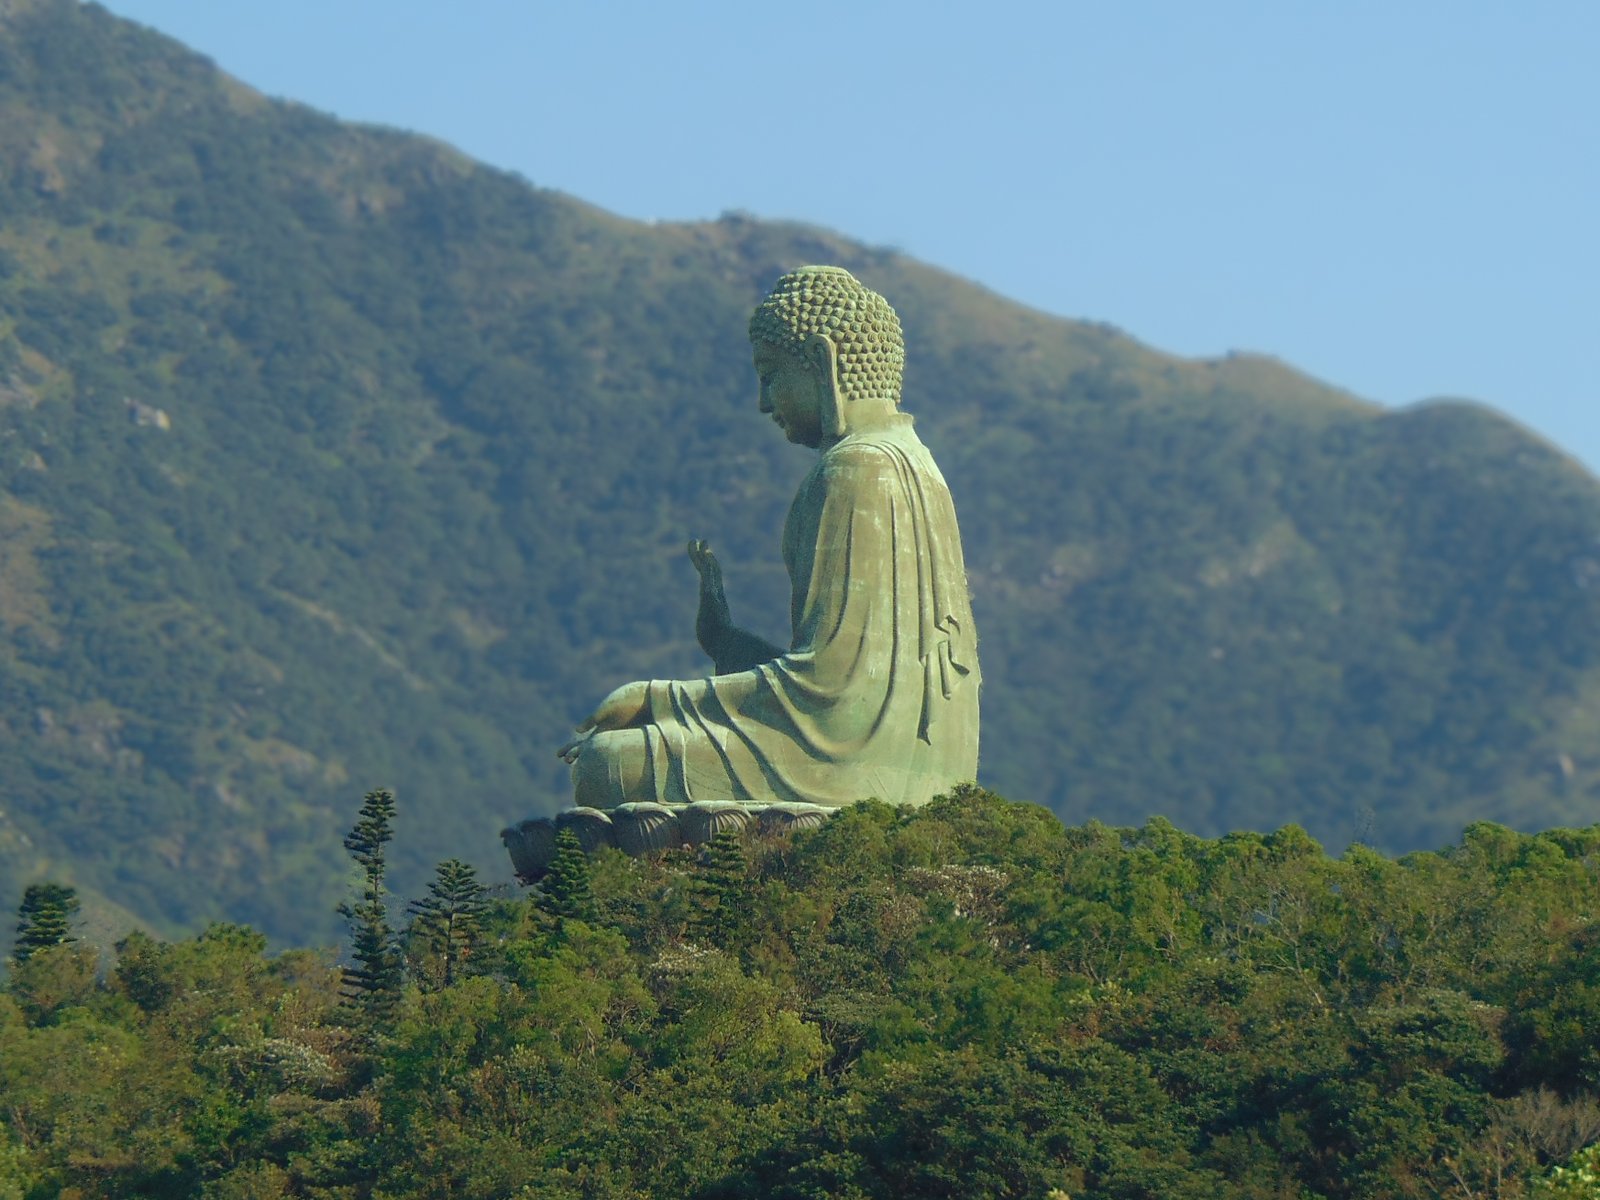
x=564, y=891
x=445, y=923
x=723, y=884
x=44, y=919
x=372, y=985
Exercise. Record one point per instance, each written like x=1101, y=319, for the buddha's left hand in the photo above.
x=622, y=709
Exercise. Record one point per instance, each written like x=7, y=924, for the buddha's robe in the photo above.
x=878, y=693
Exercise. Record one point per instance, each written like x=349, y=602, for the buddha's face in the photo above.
x=792, y=393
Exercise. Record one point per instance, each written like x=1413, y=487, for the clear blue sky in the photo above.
x=1402, y=198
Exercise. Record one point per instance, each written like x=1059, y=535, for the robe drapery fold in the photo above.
x=878, y=693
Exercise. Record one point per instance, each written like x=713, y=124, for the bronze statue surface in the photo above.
x=876, y=694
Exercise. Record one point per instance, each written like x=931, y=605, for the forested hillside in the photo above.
x=968, y=1001
x=329, y=459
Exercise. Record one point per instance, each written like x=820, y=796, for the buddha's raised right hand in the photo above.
x=729, y=647
x=715, y=618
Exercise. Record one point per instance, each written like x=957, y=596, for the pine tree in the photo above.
x=722, y=889
x=444, y=924
x=44, y=919
x=564, y=891
x=372, y=985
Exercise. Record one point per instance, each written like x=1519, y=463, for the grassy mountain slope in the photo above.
x=332, y=459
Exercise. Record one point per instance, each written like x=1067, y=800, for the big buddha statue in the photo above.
x=876, y=694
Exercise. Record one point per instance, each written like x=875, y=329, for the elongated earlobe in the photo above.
x=833, y=419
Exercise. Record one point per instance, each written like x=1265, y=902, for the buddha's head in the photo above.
x=829, y=354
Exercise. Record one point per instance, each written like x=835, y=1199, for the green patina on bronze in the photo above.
x=877, y=693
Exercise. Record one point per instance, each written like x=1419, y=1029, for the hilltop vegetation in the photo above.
x=329, y=454
x=967, y=1000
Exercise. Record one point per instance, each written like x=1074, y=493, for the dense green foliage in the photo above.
x=967, y=1000
x=328, y=454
